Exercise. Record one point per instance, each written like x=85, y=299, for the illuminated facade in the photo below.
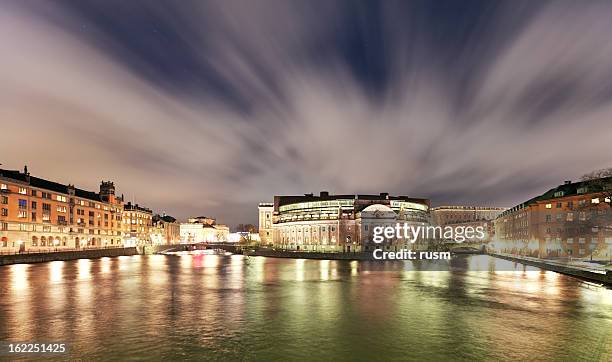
x=573, y=219
x=266, y=211
x=340, y=223
x=203, y=230
x=449, y=215
x=37, y=214
x=165, y=230
x=467, y=216
x=137, y=221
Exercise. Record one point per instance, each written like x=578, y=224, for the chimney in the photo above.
x=324, y=194
x=567, y=182
x=384, y=195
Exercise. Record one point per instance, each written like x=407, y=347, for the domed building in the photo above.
x=338, y=223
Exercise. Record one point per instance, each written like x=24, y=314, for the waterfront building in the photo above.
x=203, y=229
x=38, y=214
x=467, y=216
x=340, y=223
x=572, y=219
x=266, y=211
x=449, y=215
x=137, y=221
x=165, y=230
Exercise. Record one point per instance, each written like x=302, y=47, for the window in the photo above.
x=595, y=200
x=582, y=216
x=4, y=212
x=548, y=218
x=570, y=240
x=23, y=227
x=581, y=240
x=23, y=204
x=46, y=207
x=559, y=193
x=582, y=190
x=4, y=226
x=22, y=214
x=3, y=187
x=34, y=205
x=570, y=204
x=33, y=216
x=549, y=206
x=559, y=205
x=61, y=209
x=34, y=193
x=4, y=200
x=60, y=198
x=23, y=191
x=570, y=216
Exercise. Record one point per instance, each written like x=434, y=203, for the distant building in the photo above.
x=38, y=214
x=449, y=215
x=572, y=219
x=203, y=229
x=165, y=230
x=137, y=223
x=467, y=216
x=339, y=222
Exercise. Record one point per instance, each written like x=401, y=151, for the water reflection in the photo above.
x=170, y=307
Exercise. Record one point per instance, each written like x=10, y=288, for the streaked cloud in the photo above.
x=210, y=107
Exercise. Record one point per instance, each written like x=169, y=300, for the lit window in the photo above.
x=3, y=187
x=549, y=206
x=595, y=201
x=23, y=191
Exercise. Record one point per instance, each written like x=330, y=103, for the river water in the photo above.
x=203, y=307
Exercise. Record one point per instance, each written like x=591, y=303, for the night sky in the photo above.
x=209, y=107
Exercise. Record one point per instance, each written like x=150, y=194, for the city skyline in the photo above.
x=186, y=108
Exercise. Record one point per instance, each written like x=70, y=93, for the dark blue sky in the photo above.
x=207, y=107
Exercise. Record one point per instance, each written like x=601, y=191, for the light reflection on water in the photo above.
x=206, y=306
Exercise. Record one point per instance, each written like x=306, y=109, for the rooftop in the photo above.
x=567, y=189
x=325, y=196
x=25, y=178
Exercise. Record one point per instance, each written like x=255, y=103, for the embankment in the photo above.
x=65, y=255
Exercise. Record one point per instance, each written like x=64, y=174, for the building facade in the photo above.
x=165, y=230
x=266, y=211
x=571, y=220
x=38, y=214
x=449, y=215
x=340, y=223
x=203, y=230
x=467, y=216
x=137, y=221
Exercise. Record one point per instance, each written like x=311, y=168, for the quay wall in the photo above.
x=65, y=255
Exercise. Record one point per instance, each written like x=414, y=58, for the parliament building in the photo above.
x=337, y=223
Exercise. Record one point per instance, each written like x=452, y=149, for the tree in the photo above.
x=247, y=228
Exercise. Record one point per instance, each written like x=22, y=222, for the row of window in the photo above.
x=583, y=202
